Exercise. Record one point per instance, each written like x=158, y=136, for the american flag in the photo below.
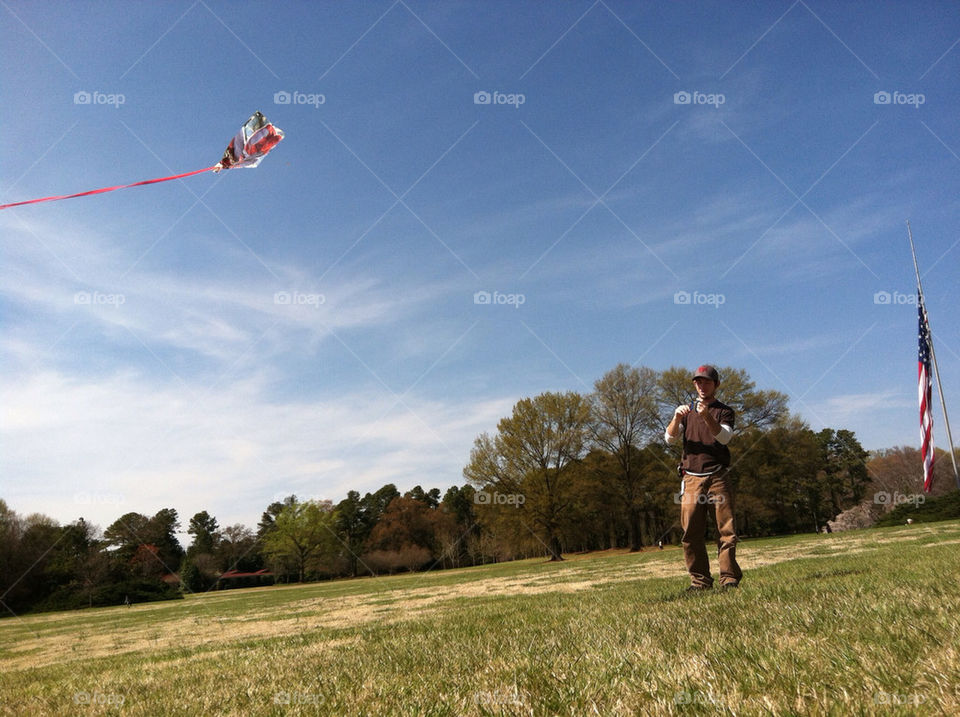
x=925, y=391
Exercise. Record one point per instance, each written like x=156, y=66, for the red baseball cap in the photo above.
x=707, y=371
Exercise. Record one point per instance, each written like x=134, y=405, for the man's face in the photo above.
x=705, y=388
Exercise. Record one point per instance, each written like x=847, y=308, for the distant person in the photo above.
x=126, y=600
x=705, y=427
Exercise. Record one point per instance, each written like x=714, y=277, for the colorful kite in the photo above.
x=250, y=145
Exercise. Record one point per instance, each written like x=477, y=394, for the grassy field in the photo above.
x=855, y=623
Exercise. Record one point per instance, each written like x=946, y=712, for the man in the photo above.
x=706, y=426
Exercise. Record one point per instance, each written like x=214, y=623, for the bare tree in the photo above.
x=623, y=417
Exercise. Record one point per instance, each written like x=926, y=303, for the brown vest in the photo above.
x=702, y=453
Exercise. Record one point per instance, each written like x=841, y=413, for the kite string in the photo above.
x=110, y=189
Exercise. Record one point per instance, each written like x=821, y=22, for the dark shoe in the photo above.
x=697, y=588
x=729, y=586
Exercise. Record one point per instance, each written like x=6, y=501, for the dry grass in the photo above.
x=197, y=621
x=824, y=624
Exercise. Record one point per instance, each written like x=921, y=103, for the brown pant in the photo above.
x=698, y=493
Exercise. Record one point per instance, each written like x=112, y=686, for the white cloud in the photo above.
x=795, y=346
x=861, y=412
x=159, y=389
x=215, y=317
x=101, y=448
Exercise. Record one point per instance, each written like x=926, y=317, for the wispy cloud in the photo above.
x=126, y=443
x=216, y=317
x=861, y=412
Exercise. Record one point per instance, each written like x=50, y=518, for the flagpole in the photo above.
x=933, y=356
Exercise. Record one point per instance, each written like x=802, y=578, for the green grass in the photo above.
x=853, y=623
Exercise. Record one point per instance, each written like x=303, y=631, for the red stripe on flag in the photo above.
x=925, y=394
x=926, y=427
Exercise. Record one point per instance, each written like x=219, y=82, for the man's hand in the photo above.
x=703, y=410
x=722, y=433
x=673, y=430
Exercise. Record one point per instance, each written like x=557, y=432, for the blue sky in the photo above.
x=656, y=184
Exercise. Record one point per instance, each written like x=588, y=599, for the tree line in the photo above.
x=564, y=472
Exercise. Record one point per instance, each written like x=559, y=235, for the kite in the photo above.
x=248, y=147
x=251, y=144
